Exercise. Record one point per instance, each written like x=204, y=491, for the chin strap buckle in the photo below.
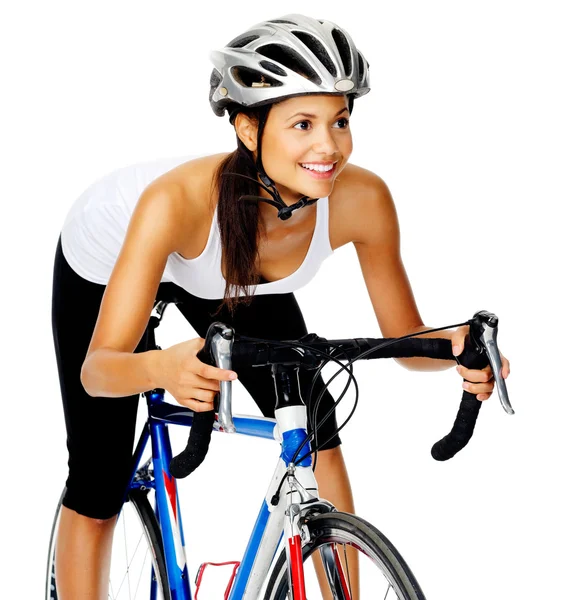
x=286, y=212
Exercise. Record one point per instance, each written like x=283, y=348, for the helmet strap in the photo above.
x=263, y=113
x=285, y=211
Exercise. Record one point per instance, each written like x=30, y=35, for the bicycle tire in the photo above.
x=151, y=533
x=346, y=529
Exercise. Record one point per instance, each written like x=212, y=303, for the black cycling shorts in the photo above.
x=100, y=448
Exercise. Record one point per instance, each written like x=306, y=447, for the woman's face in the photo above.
x=306, y=143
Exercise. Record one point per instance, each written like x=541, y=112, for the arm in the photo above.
x=376, y=237
x=110, y=368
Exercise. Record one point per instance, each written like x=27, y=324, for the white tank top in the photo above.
x=94, y=230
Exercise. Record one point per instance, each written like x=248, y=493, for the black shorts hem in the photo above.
x=333, y=443
x=92, y=511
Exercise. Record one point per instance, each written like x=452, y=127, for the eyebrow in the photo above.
x=311, y=116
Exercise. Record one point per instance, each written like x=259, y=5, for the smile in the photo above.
x=319, y=170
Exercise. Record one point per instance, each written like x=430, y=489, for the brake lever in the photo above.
x=221, y=349
x=483, y=330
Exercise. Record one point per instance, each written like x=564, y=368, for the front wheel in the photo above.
x=138, y=564
x=338, y=539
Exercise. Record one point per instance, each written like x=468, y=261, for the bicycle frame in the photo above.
x=270, y=523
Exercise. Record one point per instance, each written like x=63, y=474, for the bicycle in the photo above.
x=310, y=526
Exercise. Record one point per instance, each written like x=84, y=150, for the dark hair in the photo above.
x=238, y=221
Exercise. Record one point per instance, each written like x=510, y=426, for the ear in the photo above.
x=246, y=129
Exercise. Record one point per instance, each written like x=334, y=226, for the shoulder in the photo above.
x=363, y=208
x=193, y=178
x=182, y=201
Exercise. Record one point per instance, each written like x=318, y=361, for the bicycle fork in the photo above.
x=293, y=535
x=300, y=504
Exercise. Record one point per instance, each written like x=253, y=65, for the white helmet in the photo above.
x=291, y=56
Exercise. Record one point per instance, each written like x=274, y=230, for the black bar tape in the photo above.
x=245, y=354
x=198, y=443
x=462, y=430
x=197, y=447
x=464, y=424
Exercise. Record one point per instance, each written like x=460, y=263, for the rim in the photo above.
x=132, y=570
x=376, y=580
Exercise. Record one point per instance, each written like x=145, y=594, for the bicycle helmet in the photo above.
x=291, y=56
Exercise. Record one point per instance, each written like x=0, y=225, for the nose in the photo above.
x=325, y=142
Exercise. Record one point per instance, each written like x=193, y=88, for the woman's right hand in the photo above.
x=191, y=382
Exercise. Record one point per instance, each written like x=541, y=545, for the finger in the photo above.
x=206, y=384
x=475, y=375
x=478, y=388
x=203, y=395
x=210, y=372
x=197, y=405
x=458, y=340
x=505, y=367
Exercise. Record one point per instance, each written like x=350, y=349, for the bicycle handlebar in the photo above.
x=223, y=348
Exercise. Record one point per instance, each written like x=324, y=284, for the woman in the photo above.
x=186, y=232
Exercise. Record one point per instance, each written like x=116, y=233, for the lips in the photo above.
x=319, y=174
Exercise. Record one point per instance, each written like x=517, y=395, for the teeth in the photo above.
x=315, y=167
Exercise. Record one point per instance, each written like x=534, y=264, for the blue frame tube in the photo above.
x=246, y=565
x=160, y=415
x=177, y=415
x=290, y=444
x=154, y=590
x=168, y=511
x=143, y=439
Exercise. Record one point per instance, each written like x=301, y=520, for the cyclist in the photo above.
x=199, y=232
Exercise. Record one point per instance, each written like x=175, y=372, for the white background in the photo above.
x=464, y=122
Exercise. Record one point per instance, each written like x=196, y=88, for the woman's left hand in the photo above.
x=480, y=382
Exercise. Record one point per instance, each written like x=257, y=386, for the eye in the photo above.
x=344, y=123
x=300, y=123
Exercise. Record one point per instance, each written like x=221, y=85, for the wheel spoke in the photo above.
x=129, y=562
x=328, y=560
x=132, y=564
x=140, y=574
x=137, y=559
x=347, y=569
x=126, y=553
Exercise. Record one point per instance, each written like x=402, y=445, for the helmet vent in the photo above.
x=283, y=21
x=242, y=40
x=317, y=48
x=344, y=49
x=361, y=66
x=247, y=77
x=215, y=78
x=269, y=66
x=292, y=60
